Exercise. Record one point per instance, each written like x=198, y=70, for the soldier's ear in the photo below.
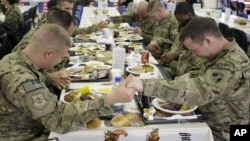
x=48, y=53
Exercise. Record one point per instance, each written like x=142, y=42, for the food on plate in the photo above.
x=240, y=21
x=88, y=69
x=95, y=123
x=119, y=121
x=142, y=69
x=84, y=90
x=135, y=37
x=114, y=135
x=104, y=11
x=135, y=119
x=105, y=90
x=153, y=135
x=80, y=94
x=173, y=106
x=84, y=35
x=149, y=112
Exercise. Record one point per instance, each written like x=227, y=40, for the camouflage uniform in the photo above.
x=13, y=16
x=185, y=63
x=221, y=90
x=146, y=24
x=27, y=106
x=165, y=33
x=87, y=30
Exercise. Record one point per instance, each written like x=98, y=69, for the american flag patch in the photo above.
x=32, y=85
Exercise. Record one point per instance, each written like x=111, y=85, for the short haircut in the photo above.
x=198, y=27
x=59, y=17
x=153, y=5
x=184, y=8
x=61, y=1
x=184, y=24
x=50, y=36
x=13, y=1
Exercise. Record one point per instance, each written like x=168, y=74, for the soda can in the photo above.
x=144, y=57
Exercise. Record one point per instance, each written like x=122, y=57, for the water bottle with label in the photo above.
x=118, y=107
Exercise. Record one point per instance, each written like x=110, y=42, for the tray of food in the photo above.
x=157, y=111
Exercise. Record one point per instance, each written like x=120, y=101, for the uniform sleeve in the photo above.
x=14, y=18
x=87, y=30
x=195, y=91
x=33, y=98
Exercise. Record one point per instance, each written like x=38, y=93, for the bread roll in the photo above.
x=119, y=121
x=95, y=123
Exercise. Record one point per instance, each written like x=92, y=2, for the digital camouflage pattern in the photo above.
x=13, y=16
x=27, y=107
x=147, y=25
x=166, y=34
x=185, y=63
x=221, y=90
x=86, y=30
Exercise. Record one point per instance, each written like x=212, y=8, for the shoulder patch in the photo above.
x=217, y=76
x=39, y=102
x=32, y=85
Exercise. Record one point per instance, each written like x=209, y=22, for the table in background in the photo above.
x=89, y=17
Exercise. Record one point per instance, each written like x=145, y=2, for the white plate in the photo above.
x=137, y=73
x=135, y=38
x=74, y=69
x=156, y=105
x=121, y=39
x=102, y=67
x=94, y=63
x=103, y=89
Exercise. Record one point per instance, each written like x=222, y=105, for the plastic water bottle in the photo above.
x=118, y=107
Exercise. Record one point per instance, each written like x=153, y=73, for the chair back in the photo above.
x=241, y=38
x=32, y=14
x=3, y=41
x=225, y=30
x=122, y=9
x=25, y=15
x=26, y=26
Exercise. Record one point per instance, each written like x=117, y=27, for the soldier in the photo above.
x=220, y=88
x=27, y=109
x=145, y=25
x=13, y=16
x=165, y=33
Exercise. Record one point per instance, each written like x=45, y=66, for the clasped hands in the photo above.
x=154, y=47
x=59, y=79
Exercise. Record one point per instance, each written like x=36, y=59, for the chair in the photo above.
x=77, y=18
x=122, y=9
x=241, y=38
x=225, y=30
x=26, y=26
x=79, y=8
x=3, y=41
x=25, y=15
x=32, y=14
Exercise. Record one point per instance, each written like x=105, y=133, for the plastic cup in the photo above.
x=114, y=73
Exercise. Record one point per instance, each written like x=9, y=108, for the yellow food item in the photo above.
x=95, y=123
x=105, y=90
x=120, y=120
x=84, y=90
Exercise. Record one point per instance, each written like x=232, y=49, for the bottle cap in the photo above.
x=117, y=79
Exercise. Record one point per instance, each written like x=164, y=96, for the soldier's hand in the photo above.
x=121, y=94
x=102, y=24
x=137, y=30
x=168, y=57
x=154, y=47
x=134, y=82
x=59, y=79
x=186, y=75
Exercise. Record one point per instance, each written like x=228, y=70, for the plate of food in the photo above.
x=140, y=69
x=173, y=108
x=121, y=39
x=102, y=67
x=135, y=37
x=103, y=89
x=74, y=96
x=94, y=63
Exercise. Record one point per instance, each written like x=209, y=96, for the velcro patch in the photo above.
x=32, y=85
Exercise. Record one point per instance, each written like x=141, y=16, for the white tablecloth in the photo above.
x=167, y=132
x=88, y=17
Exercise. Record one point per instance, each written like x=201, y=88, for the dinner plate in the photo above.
x=103, y=89
x=94, y=63
x=121, y=39
x=137, y=73
x=135, y=38
x=102, y=67
x=74, y=69
x=155, y=103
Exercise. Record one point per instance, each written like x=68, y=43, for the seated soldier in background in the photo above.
x=220, y=88
x=29, y=111
x=165, y=33
x=145, y=25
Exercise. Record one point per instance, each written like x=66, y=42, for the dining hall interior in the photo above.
x=120, y=70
